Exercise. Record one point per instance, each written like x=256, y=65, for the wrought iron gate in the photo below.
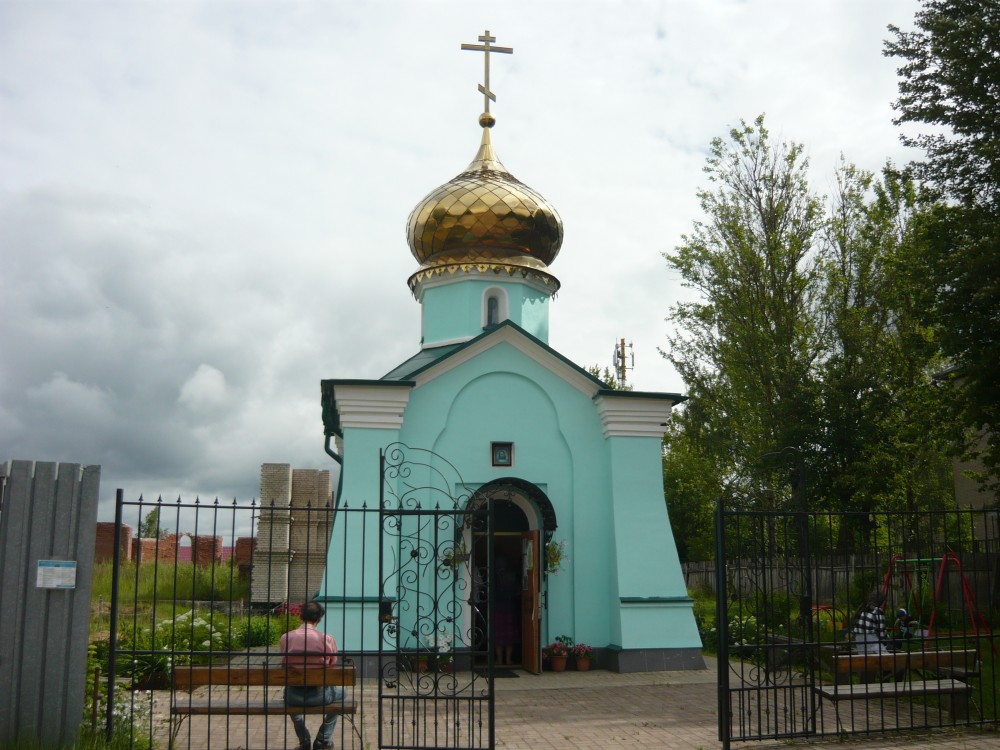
x=435, y=647
x=210, y=587
x=789, y=586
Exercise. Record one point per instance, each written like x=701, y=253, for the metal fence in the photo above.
x=193, y=658
x=793, y=660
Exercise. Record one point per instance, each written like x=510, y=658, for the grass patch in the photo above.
x=183, y=581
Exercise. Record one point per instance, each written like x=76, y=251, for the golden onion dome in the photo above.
x=484, y=220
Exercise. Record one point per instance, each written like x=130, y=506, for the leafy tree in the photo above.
x=884, y=439
x=950, y=79
x=747, y=349
x=609, y=378
x=691, y=486
x=809, y=364
x=149, y=527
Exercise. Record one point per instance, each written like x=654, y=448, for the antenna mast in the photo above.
x=624, y=360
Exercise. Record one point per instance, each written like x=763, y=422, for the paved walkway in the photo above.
x=594, y=711
x=676, y=710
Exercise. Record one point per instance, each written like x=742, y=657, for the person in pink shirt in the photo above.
x=307, y=647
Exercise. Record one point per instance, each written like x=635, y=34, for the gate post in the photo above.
x=722, y=625
x=116, y=567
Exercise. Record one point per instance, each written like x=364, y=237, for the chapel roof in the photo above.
x=484, y=220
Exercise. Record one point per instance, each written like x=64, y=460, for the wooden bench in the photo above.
x=253, y=703
x=956, y=690
x=870, y=667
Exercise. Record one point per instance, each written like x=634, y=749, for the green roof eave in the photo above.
x=419, y=361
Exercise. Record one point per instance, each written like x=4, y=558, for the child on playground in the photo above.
x=906, y=628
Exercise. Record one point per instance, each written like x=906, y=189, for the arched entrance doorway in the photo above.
x=523, y=519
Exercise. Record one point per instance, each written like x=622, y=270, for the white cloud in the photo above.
x=202, y=204
x=75, y=404
x=205, y=389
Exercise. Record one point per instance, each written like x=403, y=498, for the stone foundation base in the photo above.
x=650, y=659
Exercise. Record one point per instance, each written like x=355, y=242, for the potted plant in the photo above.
x=583, y=654
x=557, y=653
x=418, y=662
x=555, y=556
x=445, y=663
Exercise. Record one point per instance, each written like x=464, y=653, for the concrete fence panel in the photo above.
x=47, y=537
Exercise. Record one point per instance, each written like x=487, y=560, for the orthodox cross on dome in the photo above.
x=487, y=47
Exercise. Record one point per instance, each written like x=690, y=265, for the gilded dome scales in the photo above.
x=484, y=220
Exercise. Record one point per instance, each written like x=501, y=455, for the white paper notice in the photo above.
x=56, y=574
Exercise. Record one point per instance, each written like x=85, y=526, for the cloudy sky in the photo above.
x=203, y=204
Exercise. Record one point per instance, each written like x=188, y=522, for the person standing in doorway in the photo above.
x=505, y=622
x=303, y=648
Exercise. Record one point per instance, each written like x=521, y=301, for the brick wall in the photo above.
x=243, y=554
x=269, y=578
x=104, y=544
x=206, y=550
x=309, y=533
x=146, y=550
x=292, y=533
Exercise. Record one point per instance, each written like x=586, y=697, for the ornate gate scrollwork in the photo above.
x=435, y=644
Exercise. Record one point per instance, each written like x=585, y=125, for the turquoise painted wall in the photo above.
x=622, y=585
x=352, y=602
x=653, y=601
x=560, y=449
x=454, y=312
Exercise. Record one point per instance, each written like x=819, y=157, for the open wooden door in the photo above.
x=531, y=602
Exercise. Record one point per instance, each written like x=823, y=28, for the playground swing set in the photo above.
x=923, y=568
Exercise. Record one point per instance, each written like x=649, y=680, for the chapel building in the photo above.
x=563, y=458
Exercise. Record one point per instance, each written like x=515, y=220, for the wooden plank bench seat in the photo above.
x=956, y=691
x=257, y=702
x=888, y=690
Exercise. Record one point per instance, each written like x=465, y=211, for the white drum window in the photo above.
x=494, y=306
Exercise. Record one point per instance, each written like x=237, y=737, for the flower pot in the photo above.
x=420, y=664
x=582, y=664
x=558, y=663
x=446, y=668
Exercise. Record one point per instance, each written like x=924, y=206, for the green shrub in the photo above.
x=146, y=652
x=704, y=617
x=259, y=630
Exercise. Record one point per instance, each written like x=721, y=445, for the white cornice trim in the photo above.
x=633, y=417
x=474, y=275
x=373, y=407
x=510, y=335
